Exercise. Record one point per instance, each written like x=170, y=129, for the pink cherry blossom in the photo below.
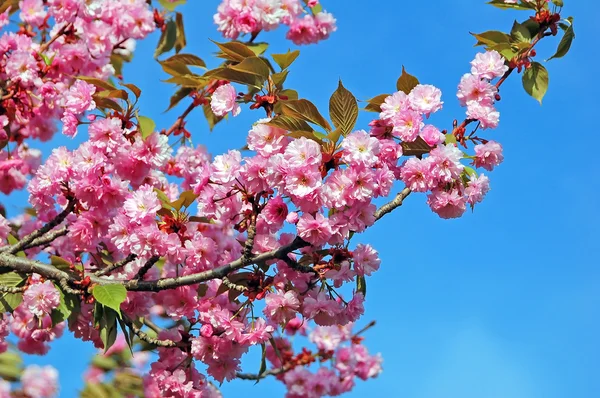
x=223, y=101
x=425, y=99
x=488, y=65
x=488, y=155
x=316, y=230
x=40, y=382
x=41, y=298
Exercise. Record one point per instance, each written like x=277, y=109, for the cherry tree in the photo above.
x=174, y=263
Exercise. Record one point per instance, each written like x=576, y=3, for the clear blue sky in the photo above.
x=502, y=303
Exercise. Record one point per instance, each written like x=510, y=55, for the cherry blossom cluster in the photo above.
x=58, y=39
x=247, y=250
x=235, y=18
x=450, y=184
x=36, y=382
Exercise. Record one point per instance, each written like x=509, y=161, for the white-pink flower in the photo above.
x=224, y=100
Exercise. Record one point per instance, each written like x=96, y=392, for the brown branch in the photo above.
x=12, y=289
x=118, y=264
x=217, y=273
x=49, y=238
x=58, y=34
x=390, y=206
x=145, y=337
x=249, y=244
x=179, y=122
x=234, y=286
x=27, y=240
x=266, y=373
x=146, y=267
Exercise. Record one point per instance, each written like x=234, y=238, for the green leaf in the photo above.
x=558, y=3
x=100, y=390
x=187, y=59
x=110, y=296
x=565, y=43
x=10, y=301
x=146, y=126
x=279, y=78
x=127, y=334
x=535, y=81
x=167, y=39
x=450, y=139
x=316, y=9
x=361, y=285
x=343, y=110
x=491, y=38
x=406, y=82
x=263, y=361
x=305, y=110
x=68, y=304
x=108, y=328
x=285, y=60
x=13, y=241
x=171, y=4
x=258, y=48
x=104, y=363
x=185, y=200
x=11, y=366
x=211, y=118
x=520, y=33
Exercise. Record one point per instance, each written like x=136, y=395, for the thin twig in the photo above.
x=48, y=238
x=146, y=267
x=118, y=264
x=27, y=240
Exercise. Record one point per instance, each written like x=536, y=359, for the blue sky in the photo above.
x=504, y=302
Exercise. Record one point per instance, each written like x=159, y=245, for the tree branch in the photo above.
x=27, y=240
x=118, y=264
x=390, y=206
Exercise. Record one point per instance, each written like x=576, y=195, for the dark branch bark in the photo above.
x=117, y=265
x=27, y=240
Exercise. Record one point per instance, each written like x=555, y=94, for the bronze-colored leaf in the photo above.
x=374, y=104
x=289, y=123
x=178, y=96
x=416, y=148
x=187, y=59
x=406, y=82
x=234, y=51
x=180, y=41
x=343, y=110
x=307, y=111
